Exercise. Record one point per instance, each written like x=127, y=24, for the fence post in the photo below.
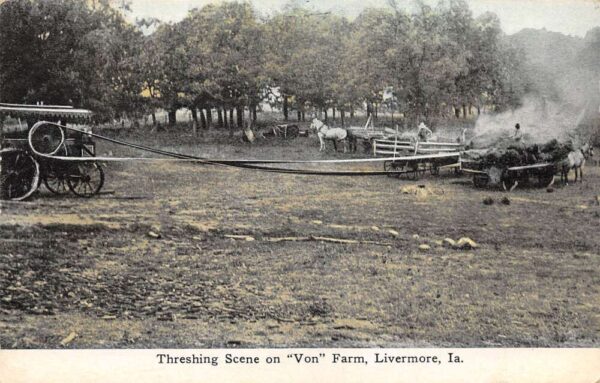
x=396, y=141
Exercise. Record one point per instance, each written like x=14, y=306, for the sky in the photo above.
x=571, y=17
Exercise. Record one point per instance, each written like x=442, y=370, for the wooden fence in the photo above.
x=394, y=148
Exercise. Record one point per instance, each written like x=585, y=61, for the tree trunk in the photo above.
x=351, y=112
x=194, y=121
x=203, y=120
x=303, y=117
x=231, y=126
x=342, y=118
x=285, y=108
x=299, y=116
x=376, y=110
x=333, y=114
x=457, y=112
x=326, y=115
x=254, y=113
x=464, y=108
x=240, y=117
x=172, y=117
x=220, y=118
x=209, y=118
x=368, y=109
x=153, y=118
x=478, y=110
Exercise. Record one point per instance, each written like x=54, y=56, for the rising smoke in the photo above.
x=573, y=117
x=540, y=120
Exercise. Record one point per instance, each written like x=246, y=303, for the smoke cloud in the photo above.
x=540, y=120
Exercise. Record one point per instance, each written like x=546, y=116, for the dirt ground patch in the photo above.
x=216, y=278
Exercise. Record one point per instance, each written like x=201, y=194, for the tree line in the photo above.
x=222, y=62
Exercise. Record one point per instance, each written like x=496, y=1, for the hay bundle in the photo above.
x=506, y=156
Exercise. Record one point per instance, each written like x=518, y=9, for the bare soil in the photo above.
x=225, y=272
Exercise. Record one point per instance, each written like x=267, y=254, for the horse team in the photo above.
x=575, y=160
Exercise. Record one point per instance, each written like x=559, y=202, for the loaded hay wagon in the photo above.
x=513, y=166
x=31, y=136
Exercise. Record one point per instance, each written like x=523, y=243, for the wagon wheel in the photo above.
x=85, y=179
x=546, y=177
x=480, y=180
x=54, y=174
x=389, y=167
x=292, y=131
x=509, y=182
x=55, y=180
x=416, y=172
x=19, y=174
x=404, y=167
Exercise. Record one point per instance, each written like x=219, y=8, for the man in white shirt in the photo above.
x=518, y=134
x=424, y=132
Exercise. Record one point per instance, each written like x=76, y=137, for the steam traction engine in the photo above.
x=30, y=136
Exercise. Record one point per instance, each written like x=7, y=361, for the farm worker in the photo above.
x=463, y=136
x=424, y=132
x=518, y=135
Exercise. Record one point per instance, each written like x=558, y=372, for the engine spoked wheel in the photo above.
x=55, y=180
x=85, y=179
x=19, y=174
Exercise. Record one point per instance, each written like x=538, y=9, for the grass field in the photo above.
x=90, y=266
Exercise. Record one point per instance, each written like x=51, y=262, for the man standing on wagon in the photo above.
x=518, y=134
x=424, y=132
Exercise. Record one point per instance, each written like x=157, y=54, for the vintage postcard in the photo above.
x=290, y=189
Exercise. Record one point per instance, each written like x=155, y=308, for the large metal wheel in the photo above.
x=19, y=174
x=480, y=180
x=55, y=180
x=85, y=179
x=54, y=174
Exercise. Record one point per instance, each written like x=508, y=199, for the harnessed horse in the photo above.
x=575, y=160
x=326, y=133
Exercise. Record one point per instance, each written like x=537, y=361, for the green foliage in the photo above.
x=65, y=52
x=85, y=53
x=225, y=55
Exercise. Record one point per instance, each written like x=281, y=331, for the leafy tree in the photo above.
x=225, y=55
x=66, y=52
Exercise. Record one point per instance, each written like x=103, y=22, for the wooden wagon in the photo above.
x=509, y=177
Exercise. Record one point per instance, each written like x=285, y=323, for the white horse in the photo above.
x=575, y=160
x=326, y=133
